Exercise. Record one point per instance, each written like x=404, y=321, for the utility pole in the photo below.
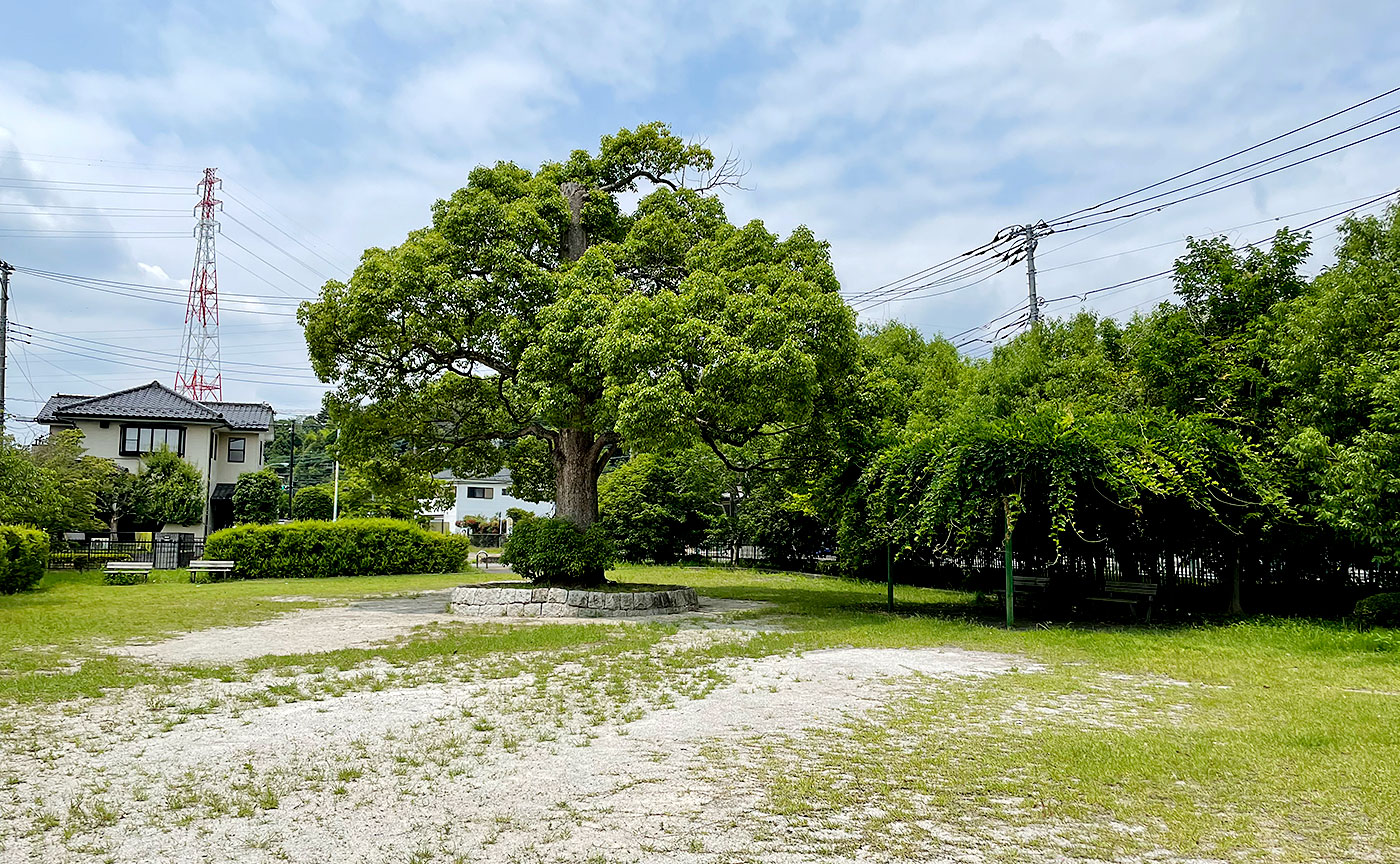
x=335, y=499
x=292, y=466
x=5, y=271
x=1033, y=234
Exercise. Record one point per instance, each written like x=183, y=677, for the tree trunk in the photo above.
x=576, y=485
x=576, y=478
x=575, y=241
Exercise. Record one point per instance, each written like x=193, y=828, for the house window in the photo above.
x=236, y=449
x=479, y=491
x=138, y=440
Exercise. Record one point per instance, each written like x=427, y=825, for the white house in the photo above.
x=483, y=496
x=222, y=440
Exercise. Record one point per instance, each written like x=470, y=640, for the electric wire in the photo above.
x=1226, y=158
x=1193, y=196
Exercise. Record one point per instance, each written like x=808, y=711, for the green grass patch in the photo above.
x=50, y=638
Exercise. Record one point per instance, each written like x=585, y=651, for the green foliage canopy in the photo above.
x=257, y=498
x=535, y=307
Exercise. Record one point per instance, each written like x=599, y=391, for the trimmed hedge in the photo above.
x=554, y=551
x=1379, y=610
x=24, y=556
x=350, y=547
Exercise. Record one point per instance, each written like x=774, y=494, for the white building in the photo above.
x=222, y=440
x=482, y=496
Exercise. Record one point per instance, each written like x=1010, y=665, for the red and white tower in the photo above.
x=200, y=375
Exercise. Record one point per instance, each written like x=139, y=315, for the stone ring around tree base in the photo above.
x=513, y=600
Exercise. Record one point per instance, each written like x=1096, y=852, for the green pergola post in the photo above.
x=1010, y=603
x=889, y=572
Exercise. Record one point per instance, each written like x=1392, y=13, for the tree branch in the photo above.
x=639, y=174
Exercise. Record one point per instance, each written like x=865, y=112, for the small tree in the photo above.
x=120, y=496
x=172, y=490
x=654, y=507
x=313, y=502
x=256, y=497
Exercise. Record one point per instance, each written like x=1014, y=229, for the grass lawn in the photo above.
x=1273, y=740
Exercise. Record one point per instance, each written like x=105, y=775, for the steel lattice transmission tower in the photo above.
x=200, y=375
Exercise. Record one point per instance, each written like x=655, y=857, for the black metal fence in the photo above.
x=487, y=541
x=168, y=552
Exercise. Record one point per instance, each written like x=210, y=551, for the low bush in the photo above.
x=125, y=577
x=553, y=551
x=1379, y=610
x=350, y=547
x=84, y=560
x=24, y=556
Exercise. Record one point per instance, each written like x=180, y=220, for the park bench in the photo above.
x=126, y=572
x=202, y=571
x=1030, y=589
x=1130, y=594
x=484, y=560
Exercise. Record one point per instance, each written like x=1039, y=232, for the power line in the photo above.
x=1258, y=176
x=1171, y=270
x=183, y=189
x=270, y=264
x=1173, y=242
x=89, y=281
x=281, y=230
x=145, y=367
x=302, y=371
x=969, y=271
x=1249, y=149
x=942, y=266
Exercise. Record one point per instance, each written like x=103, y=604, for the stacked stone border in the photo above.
x=511, y=600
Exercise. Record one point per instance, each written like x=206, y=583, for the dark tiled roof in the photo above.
x=244, y=415
x=223, y=492
x=55, y=403
x=155, y=401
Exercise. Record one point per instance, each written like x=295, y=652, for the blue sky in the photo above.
x=903, y=133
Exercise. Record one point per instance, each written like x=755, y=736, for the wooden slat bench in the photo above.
x=202, y=571
x=1130, y=594
x=1029, y=588
x=126, y=572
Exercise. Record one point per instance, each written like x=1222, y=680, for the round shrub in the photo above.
x=553, y=551
x=312, y=502
x=350, y=547
x=24, y=556
x=1379, y=610
x=257, y=497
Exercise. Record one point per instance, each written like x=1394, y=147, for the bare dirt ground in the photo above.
x=355, y=625
x=494, y=760
x=423, y=773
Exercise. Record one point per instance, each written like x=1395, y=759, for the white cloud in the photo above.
x=903, y=133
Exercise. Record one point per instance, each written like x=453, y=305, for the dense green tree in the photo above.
x=390, y=489
x=654, y=507
x=534, y=306
x=1337, y=367
x=51, y=485
x=314, y=436
x=313, y=502
x=171, y=491
x=257, y=498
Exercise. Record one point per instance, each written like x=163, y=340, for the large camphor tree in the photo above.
x=596, y=305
